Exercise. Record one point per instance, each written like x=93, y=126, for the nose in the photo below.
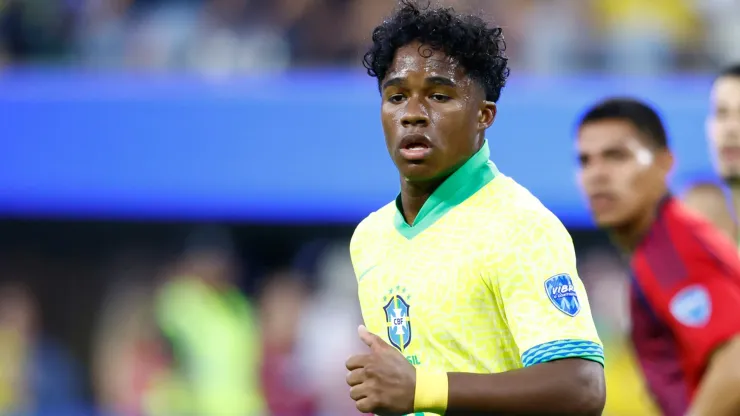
x=415, y=114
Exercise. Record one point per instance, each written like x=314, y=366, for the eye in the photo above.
x=616, y=155
x=440, y=97
x=396, y=98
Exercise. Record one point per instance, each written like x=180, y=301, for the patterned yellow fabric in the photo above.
x=484, y=281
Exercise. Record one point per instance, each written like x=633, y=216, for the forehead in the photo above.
x=417, y=61
x=602, y=135
x=726, y=89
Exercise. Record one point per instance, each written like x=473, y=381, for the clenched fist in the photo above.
x=381, y=382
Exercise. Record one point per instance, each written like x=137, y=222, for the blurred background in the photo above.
x=179, y=180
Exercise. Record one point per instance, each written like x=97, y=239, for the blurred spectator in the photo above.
x=551, y=34
x=328, y=330
x=722, y=30
x=37, y=31
x=37, y=376
x=130, y=356
x=213, y=334
x=646, y=37
x=226, y=37
x=288, y=390
x=215, y=37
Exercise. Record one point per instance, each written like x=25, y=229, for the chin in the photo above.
x=609, y=220
x=418, y=172
x=732, y=178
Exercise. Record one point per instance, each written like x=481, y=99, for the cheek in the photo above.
x=634, y=179
x=458, y=122
x=388, y=122
x=714, y=130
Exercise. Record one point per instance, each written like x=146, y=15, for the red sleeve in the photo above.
x=693, y=274
x=703, y=313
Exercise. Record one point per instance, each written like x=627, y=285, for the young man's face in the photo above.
x=723, y=127
x=433, y=113
x=618, y=171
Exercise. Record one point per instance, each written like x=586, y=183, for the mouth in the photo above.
x=415, y=147
x=601, y=201
x=730, y=153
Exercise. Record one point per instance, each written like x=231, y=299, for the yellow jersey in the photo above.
x=483, y=281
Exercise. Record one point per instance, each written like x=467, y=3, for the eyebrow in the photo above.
x=436, y=80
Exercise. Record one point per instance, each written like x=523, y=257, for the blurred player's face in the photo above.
x=723, y=127
x=620, y=175
x=433, y=114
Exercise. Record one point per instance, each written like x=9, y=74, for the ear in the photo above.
x=486, y=115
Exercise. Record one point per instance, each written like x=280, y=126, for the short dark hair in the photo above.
x=730, y=71
x=468, y=39
x=641, y=115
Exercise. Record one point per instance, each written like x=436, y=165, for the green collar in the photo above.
x=461, y=185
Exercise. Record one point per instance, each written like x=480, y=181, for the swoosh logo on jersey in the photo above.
x=368, y=270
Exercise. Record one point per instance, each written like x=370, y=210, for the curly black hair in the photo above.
x=467, y=39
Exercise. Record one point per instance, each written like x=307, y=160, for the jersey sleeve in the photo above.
x=699, y=298
x=543, y=298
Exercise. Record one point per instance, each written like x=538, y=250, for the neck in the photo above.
x=415, y=194
x=735, y=194
x=629, y=235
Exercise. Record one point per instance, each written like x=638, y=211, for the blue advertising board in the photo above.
x=297, y=147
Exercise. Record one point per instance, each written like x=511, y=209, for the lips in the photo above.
x=416, y=140
x=415, y=147
x=601, y=200
x=730, y=152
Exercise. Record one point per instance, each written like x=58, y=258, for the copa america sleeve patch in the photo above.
x=692, y=306
x=562, y=294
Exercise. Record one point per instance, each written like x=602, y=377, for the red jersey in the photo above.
x=685, y=302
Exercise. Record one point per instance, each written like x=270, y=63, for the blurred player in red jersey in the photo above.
x=723, y=131
x=685, y=291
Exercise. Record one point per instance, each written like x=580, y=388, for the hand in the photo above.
x=381, y=382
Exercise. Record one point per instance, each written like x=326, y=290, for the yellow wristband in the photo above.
x=431, y=391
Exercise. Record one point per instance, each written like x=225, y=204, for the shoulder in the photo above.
x=513, y=209
x=682, y=237
x=681, y=229
x=514, y=226
x=371, y=228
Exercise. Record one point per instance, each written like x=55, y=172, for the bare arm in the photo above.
x=565, y=387
x=719, y=393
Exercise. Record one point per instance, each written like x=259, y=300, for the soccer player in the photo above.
x=723, y=130
x=685, y=290
x=467, y=283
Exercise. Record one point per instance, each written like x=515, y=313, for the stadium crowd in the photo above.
x=226, y=36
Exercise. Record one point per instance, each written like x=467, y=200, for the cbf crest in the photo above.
x=397, y=317
x=562, y=294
